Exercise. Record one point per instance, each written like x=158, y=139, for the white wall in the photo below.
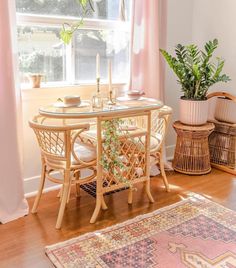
x=179, y=30
x=217, y=19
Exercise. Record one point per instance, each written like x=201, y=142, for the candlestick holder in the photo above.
x=97, y=101
x=98, y=85
x=111, y=97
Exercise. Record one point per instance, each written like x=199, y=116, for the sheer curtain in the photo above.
x=149, y=28
x=148, y=34
x=12, y=202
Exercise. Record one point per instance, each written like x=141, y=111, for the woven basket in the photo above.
x=222, y=143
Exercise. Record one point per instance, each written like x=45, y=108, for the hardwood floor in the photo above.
x=22, y=241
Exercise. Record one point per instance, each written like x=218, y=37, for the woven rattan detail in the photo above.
x=222, y=144
x=192, y=149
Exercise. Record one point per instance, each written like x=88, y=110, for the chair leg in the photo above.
x=163, y=173
x=130, y=196
x=148, y=192
x=40, y=190
x=64, y=198
x=77, y=184
x=59, y=193
x=68, y=195
x=97, y=209
x=104, y=206
x=77, y=187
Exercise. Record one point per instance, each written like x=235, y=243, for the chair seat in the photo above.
x=154, y=142
x=84, y=152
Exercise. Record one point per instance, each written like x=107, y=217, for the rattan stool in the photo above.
x=222, y=143
x=192, y=150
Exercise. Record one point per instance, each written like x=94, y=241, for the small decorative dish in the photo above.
x=61, y=104
x=130, y=98
x=135, y=93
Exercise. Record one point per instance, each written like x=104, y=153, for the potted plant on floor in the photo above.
x=196, y=74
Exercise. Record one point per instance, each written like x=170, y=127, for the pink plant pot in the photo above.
x=225, y=110
x=193, y=112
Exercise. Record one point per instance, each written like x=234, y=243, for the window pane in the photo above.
x=104, y=9
x=112, y=45
x=41, y=51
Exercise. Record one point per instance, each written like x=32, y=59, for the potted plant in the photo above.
x=32, y=66
x=196, y=74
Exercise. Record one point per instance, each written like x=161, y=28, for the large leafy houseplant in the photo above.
x=196, y=73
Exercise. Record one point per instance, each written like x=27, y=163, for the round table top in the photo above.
x=206, y=127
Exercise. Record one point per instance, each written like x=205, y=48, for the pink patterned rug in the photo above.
x=195, y=232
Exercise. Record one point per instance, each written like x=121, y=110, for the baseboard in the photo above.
x=31, y=186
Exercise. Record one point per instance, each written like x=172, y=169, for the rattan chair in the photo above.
x=62, y=151
x=160, y=122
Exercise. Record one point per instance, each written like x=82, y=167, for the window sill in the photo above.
x=27, y=87
x=52, y=92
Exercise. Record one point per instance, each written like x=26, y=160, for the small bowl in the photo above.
x=134, y=93
x=72, y=100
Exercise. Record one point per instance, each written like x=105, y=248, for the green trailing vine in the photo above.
x=111, y=160
x=68, y=29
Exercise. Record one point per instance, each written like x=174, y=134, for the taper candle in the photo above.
x=109, y=76
x=98, y=66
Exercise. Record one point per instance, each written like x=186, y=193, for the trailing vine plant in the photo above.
x=68, y=29
x=111, y=161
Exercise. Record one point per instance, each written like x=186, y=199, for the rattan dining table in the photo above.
x=134, y=143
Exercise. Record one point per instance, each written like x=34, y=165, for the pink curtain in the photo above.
x=148, y=34
x=12, y=202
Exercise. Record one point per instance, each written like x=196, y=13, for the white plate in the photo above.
x=63, y=105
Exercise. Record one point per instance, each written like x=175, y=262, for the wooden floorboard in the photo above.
x=22, y=241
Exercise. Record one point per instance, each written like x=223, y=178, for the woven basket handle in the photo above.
x=221, y=94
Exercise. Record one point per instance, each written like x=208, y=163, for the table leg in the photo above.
x=147, y=144
x=100, y=203
x=97, y=208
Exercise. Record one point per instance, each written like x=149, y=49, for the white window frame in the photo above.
x=24, y=19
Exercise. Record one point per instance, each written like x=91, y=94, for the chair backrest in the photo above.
x=159, y=122
x=55, y=138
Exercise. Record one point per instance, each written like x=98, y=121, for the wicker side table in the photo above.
x=222, y=143
x=192, y=150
